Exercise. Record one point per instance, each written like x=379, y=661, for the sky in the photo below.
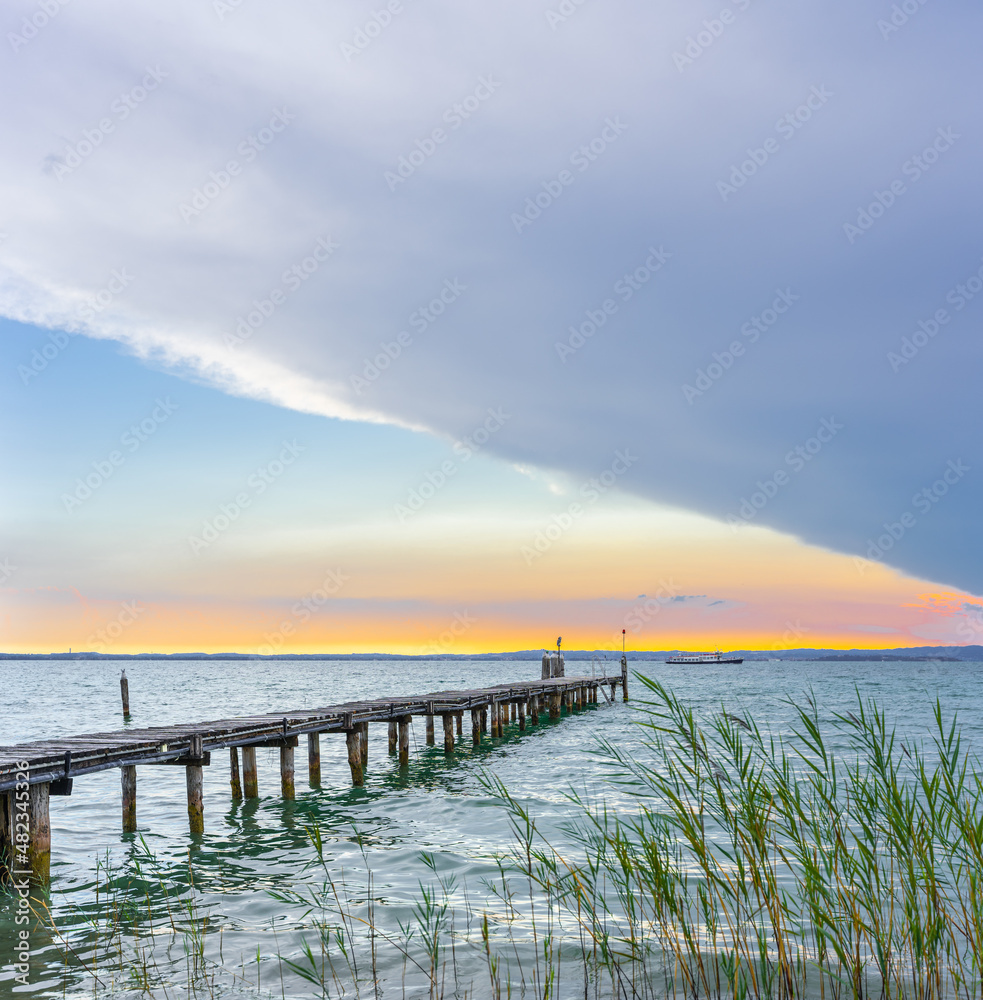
x=439, y=327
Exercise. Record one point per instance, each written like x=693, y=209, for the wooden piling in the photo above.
x=484, y=719
x=234, y=780
x=314, y=759
x=128, y=788
x=393, y=737
x=404, y=739
x=624, y=680
x=249, y=778
x=363, y=729
x=521, y=710
x=448, y=721
x=431, y=739
x=554, y=704
x=546, y=666
x=39, y=831
x=475, y=726
x=287, y=789
x=196, y=787
x=124, y=691
x=459, y=721
x=354, y=740
x=496, y=719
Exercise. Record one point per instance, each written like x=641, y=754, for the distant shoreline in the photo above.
x=918, y=654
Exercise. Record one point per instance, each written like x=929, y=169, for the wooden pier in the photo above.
x=32, y=772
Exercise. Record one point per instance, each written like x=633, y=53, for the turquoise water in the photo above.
x=380, y=843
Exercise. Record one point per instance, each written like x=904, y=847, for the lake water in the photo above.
x=380, y=842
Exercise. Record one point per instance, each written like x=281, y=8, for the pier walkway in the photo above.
x=32, y=772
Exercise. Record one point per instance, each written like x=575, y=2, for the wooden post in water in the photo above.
x=475, y=726
x=128, y=788
x=624, y=679
x=534, y=710
x=404, y=740
x=484, y=719
x=393, y=737
x=193, y=773
x=459, y=719
x=431, y=739
x=287, y=789
x=363, y=729
x=314, y=759
x=124, y=690
x=234, y=781
x=448, y=721
x=554, y=704
x=353, y=738
x=250, y=781
x=521, y=709
x=39, y=830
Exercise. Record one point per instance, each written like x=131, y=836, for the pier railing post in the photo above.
x=250, y=779
x=128, y=789
x=353, y=739
x=193, y=772
x=404, y=740
x=314, y=759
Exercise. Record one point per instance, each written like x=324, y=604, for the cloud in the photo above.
x=583, y=226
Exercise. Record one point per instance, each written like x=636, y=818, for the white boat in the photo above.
x=716, y=657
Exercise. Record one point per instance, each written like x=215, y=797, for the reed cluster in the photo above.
x=764, y=866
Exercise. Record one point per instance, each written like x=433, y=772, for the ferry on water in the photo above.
x=716, y=657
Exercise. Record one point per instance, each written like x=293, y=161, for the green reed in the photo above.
x=758, y=866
